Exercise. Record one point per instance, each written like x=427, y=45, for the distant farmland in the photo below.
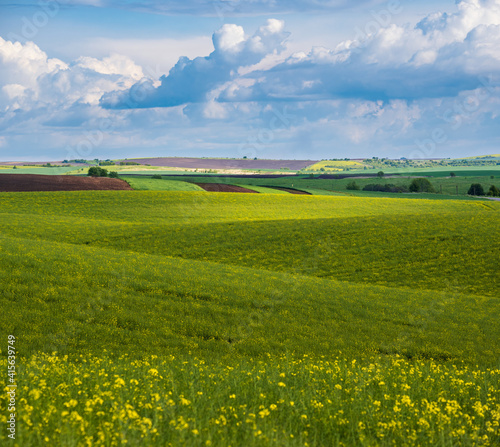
x=224, y=163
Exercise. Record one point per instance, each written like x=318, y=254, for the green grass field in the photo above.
x=151, y=184
x=190, y=318
x=36, y=170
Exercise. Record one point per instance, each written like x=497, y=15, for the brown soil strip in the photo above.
x=35, y=182
x=221, y=187
x=290, y=190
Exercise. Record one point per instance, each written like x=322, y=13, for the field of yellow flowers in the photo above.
x=335, y=165
x=186, y=318
x=281, y=400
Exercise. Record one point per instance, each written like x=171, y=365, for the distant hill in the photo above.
x=482, y=156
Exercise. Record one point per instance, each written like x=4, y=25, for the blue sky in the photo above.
x=299, y=79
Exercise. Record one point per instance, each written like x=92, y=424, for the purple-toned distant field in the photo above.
x=213, y=163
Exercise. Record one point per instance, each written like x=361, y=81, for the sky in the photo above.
x=294, y=79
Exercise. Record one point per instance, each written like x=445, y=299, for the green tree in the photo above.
x=421, y=185
x=380, y=174
x=352, y=186
x=476, y=189
x=96, y=171
x=494, y=191
x=113, y=174
x=452, y=174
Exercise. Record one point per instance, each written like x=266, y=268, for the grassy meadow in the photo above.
x=151, y=184
x=54, y=170
x=167, y=318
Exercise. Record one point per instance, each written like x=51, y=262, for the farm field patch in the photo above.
x=34, y=182
x=36, y=170
x=224, y=163
x=336, y=165
x=150, y=184
x=480, y=171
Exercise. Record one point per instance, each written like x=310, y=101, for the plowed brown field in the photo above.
x=35, y=182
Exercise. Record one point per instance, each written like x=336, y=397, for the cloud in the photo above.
x=191, y=80
x=29, y=79
x=23, y=64
x=114, y=64
x=44, y=102
x=156, y=56
x=439, y=57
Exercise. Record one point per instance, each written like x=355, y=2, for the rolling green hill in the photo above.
x=407, y=245
x=193, y=318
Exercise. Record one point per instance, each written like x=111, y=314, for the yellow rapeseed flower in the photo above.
x=265, y=412
x=71, y=403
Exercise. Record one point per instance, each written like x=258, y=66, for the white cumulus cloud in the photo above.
x=190, y=80
x=441, y=56
x=29, y=79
